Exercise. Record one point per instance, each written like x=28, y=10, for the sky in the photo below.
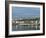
x=25, y=11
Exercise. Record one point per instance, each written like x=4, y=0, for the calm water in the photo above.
x=25, y=27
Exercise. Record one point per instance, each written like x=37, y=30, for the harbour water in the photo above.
x=25, y=27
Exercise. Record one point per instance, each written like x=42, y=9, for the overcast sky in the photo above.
x=25, y=11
